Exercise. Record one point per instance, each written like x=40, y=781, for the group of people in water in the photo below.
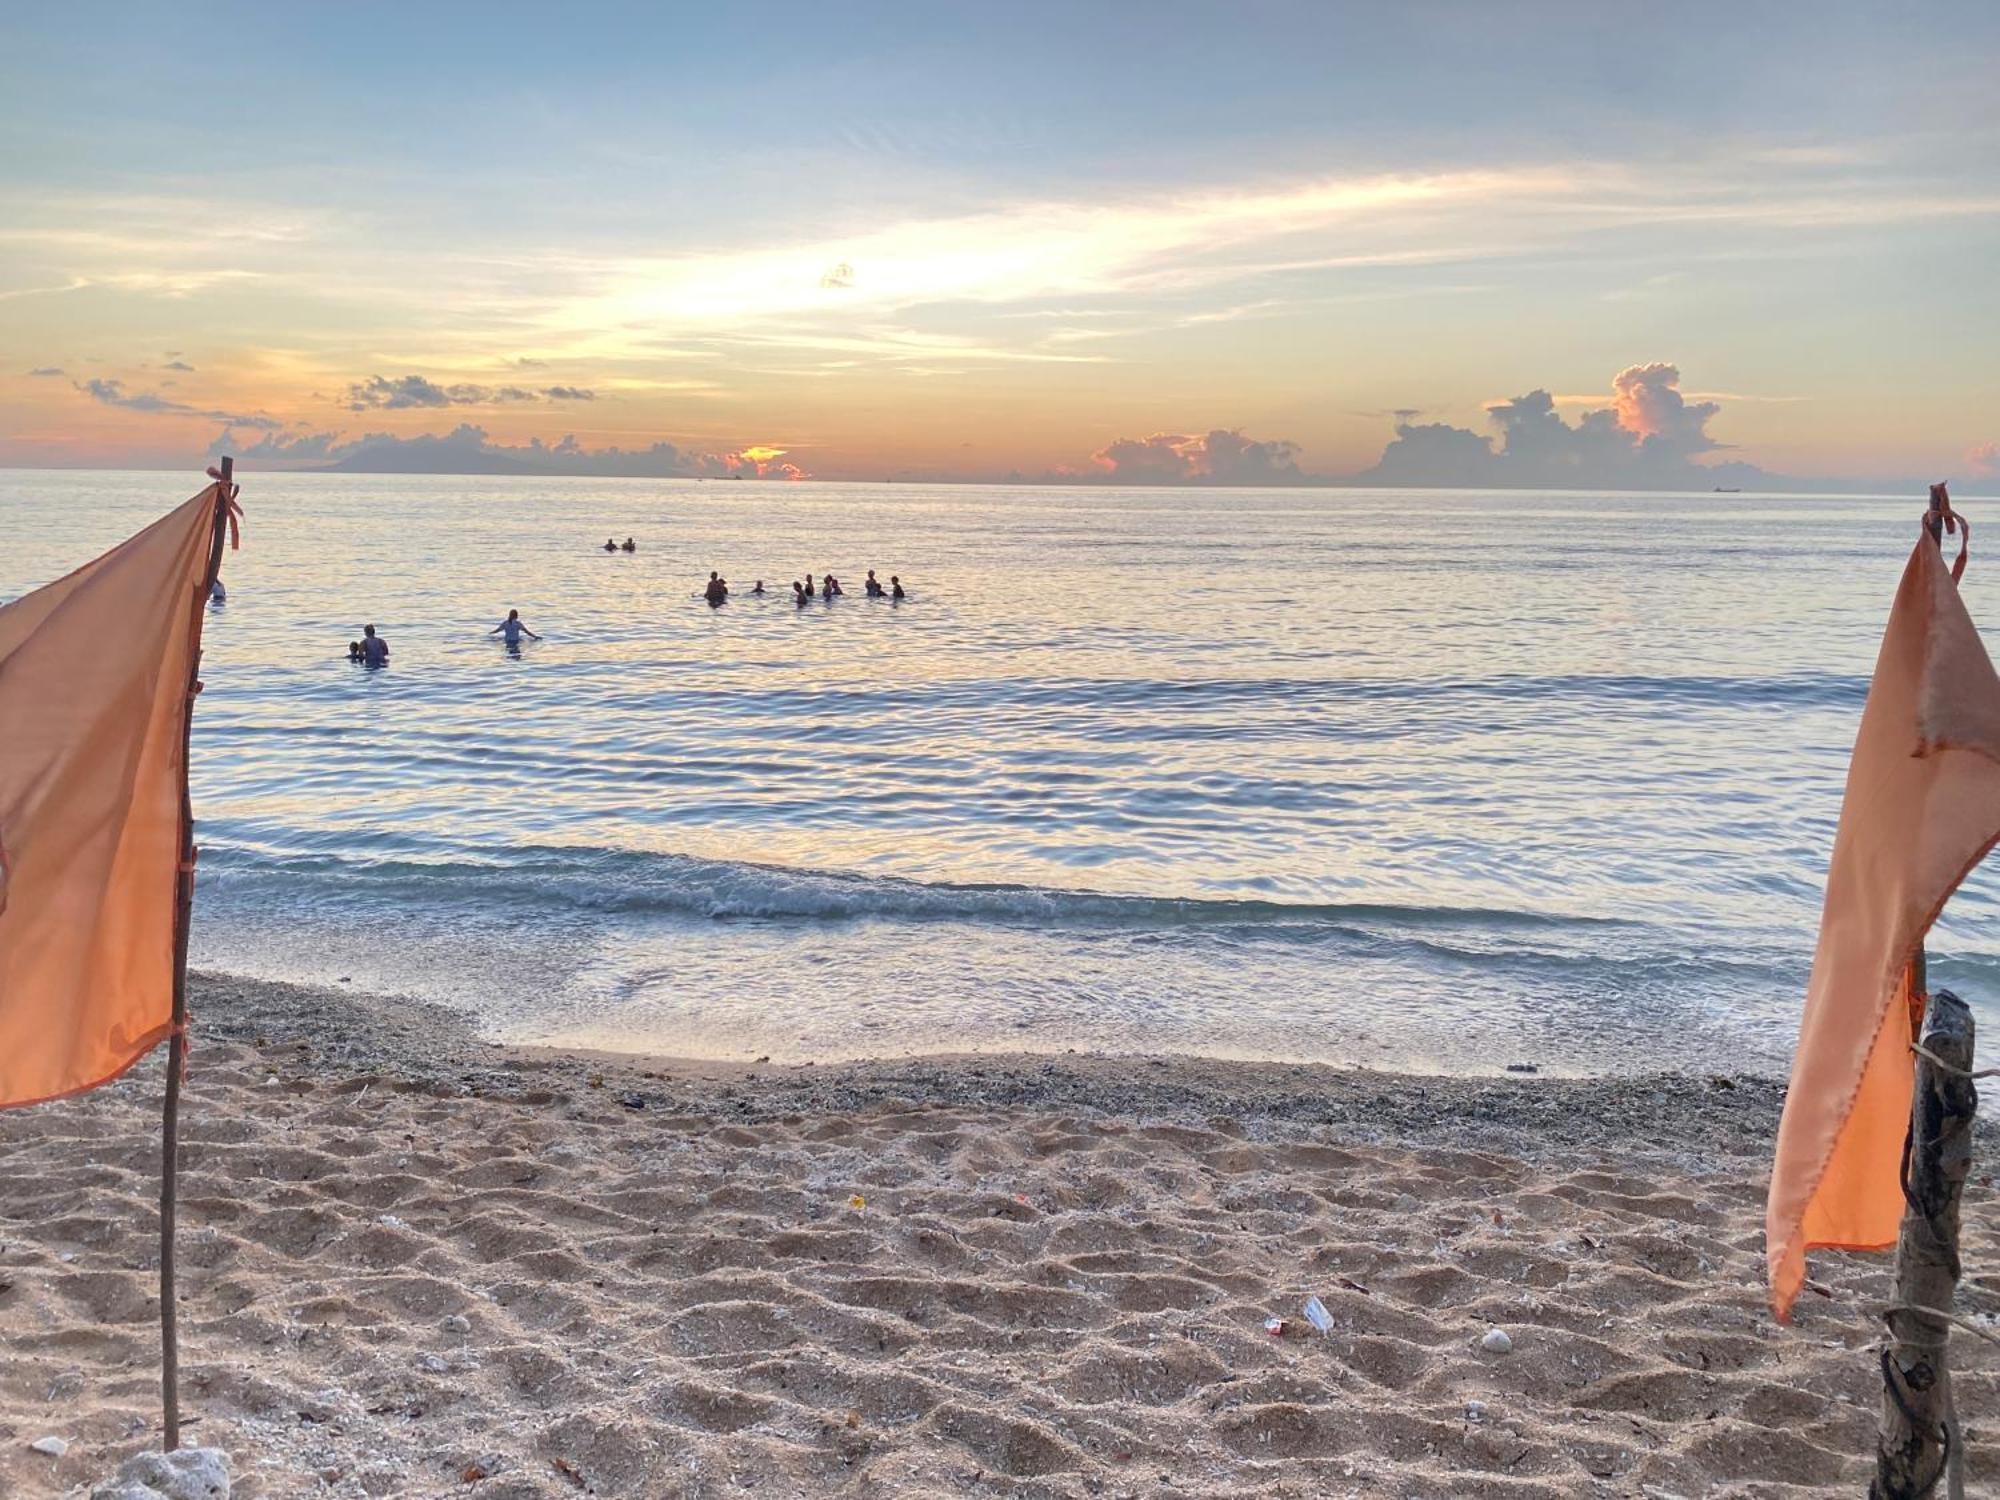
x=717, y=590
x=373, y=651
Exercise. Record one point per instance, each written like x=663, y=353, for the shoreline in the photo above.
x=1727, y=1115
x=419, y=1263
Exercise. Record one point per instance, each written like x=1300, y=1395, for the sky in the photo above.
x=1161, y=243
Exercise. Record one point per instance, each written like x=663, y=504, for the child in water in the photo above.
x=513, y=629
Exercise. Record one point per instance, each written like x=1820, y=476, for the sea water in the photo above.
x=1442, y=780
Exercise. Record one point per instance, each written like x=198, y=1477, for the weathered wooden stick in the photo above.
x=1919, y=1447
x=170, y=1123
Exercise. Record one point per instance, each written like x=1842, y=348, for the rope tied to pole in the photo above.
x=1936, y=1315
x=1931, y=1057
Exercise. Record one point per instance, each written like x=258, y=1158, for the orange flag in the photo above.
x=1922, y=808
x=93, y=707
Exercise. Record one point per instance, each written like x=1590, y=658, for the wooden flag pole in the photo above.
x=1920, y=1444
x=177, y=1042
x=1919, y=1447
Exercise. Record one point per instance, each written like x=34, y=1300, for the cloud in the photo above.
x=1984, y=458
x=837, y=278
x=1222, y=456
x=1646, y=438
x=179, y=364
x=410, y=391
x=113, y=393
x=45, y=372
x=467, y=449
x=764, y=461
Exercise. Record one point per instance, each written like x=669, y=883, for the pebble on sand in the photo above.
x=1497, y=1341
x=54, y=1447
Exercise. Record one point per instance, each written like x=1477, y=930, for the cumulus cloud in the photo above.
x=467, y=449
x=113, y=393
x=1222, y=456
x=408, y=391
x=1647, y=437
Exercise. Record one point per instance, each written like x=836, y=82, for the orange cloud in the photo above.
x=764, y=459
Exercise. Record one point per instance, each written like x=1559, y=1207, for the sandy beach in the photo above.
x=414, y=1263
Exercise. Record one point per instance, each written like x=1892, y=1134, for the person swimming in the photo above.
x=799, y=596
x=513, y=629
x=630, y=545
x=717, y=592
x=610, y=545
x=354, y=651
x=874, y=590
x=374, y=650
x=830, y=587
x=896, y=588
x=760, y=587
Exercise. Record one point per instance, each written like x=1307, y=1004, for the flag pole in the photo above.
x=170, y=1397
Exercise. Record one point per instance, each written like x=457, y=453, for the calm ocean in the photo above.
x=1444, y=780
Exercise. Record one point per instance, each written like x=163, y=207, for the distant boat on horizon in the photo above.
x=1728, y=489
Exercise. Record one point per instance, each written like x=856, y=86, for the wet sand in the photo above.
x=414, y=1263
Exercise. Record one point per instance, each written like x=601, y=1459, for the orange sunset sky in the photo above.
x=1052, y=241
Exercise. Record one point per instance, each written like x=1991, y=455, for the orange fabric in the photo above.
x=93, y=697
x=1922, y=808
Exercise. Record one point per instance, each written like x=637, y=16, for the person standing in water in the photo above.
x=513, y=629
x=872, y=589
x=610, y=545
x=829, y=587
x=896, y=588
x=717, y=592
x=374, y=650
x=760, y=587
x=809, y=585
x=630, y=545
x=799, y=596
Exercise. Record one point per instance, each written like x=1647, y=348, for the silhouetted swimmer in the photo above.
x=374, y=650
x=809, y=585
x=610, y=545
x=830, y=587
x=717, y=592
x=513, y=629
x=354, y=651
x=760, y=587
x=630, y=545
x=217, y=594
x=873, y=589
x=799, y=596
x=896, y=588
